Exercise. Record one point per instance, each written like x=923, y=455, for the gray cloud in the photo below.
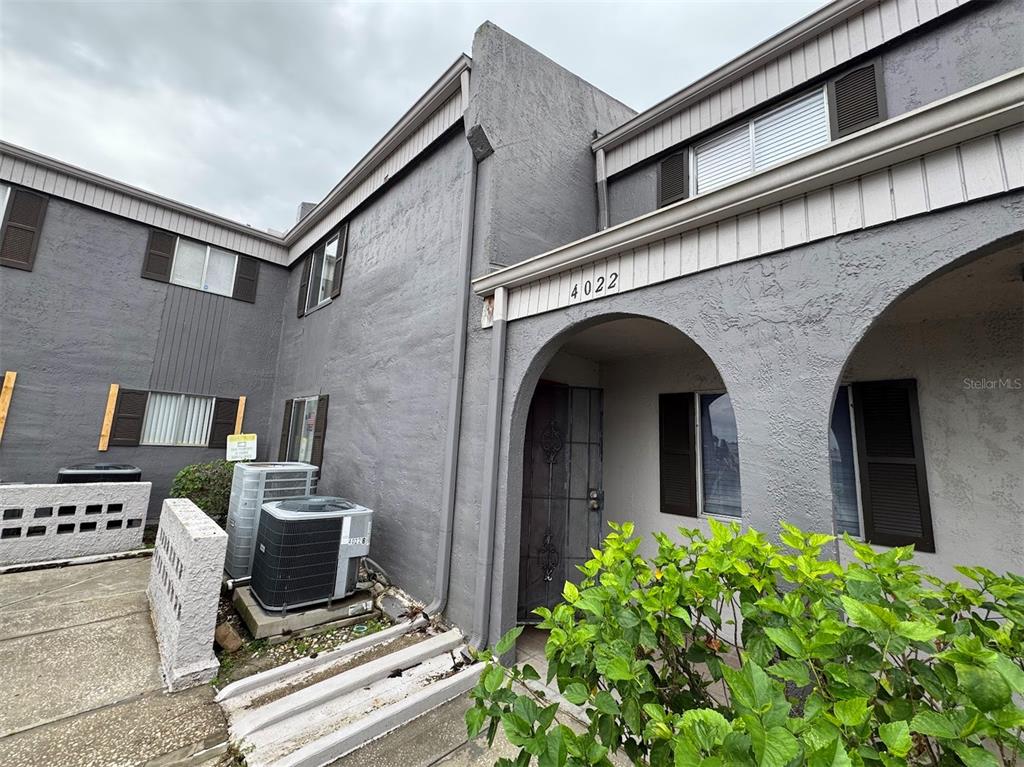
x=247, y=108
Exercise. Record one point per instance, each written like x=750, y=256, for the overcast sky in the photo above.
x=245, y=109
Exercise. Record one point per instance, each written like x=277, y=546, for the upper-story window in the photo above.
x=843, y=105
x=322, y=272
x=192, y=264
x=792, y=129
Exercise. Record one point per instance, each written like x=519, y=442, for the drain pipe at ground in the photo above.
x=492, y=447
x=451, y=460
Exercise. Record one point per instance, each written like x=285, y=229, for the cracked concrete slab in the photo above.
x=80, y=676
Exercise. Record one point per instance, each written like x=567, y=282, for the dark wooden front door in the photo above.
x=562, y=492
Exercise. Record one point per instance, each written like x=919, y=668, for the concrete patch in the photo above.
x=262, y=624
x=63, y=585
x=123, y=735
x=50, y=676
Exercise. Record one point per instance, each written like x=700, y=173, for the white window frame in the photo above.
x=322, y=300
x=206, y=266
x=856, y=463
x=291, y=423
x=178, y=424
x=699, y=449
x=6, y=195
x=750, y=128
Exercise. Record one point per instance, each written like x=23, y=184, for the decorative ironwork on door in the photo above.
x=562, y=492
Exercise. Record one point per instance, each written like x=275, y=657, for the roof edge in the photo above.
x=443, y=88
x=793, y=35
x=61, y=166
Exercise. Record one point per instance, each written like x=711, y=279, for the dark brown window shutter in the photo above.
x=247, y=273
x=856, y=100
x=894, y=486
x=286, y=424
x=307, y=264
x=339, y=267
x=22, y=224
x=673, y=178
x=224, y=412
x=128, y=414
x=319, y=429
x=159, y=255
x=678, y=457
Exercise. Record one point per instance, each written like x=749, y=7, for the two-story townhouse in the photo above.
x=791, y=291
x=804, y=304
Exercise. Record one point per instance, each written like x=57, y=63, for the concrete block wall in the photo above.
x=40, y=523
x=184, y=589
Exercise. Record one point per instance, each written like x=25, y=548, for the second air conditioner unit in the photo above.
x=252, y=485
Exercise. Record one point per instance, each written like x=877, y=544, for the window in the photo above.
x=843, y=464
x=163, y=418
x=719, y=457
x=699, y=457
x=192, y=264
x=303, y=429
x=791, y=129
x=203, y=267
x=322, y=272
x=880, y=452
x=177, y=419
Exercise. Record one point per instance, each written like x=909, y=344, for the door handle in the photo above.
x=595, y=499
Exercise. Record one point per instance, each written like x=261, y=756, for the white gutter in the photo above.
x=985, y=108
x=796, y=34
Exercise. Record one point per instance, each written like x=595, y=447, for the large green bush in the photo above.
x=207, y=485
x=871, y=664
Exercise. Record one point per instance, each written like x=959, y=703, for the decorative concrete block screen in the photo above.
x=184, y=587
x=46, y=522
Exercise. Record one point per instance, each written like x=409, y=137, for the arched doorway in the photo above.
x=927, y=430
x=630, y=420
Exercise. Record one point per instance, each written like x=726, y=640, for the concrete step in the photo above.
x=238, y=694
x=318, y=710
x=248, y=720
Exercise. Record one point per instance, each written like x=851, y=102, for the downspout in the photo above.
x=442, y=577
x=601, y=174
x=492, y=448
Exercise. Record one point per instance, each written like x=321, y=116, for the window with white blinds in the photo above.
x=177, y=419
x=792, y=129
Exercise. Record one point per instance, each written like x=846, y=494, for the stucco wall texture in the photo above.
x=973, y=431
x=779, y=329
x=980, y=41
x=84, y=319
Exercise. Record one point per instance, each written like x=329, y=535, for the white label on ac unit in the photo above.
x=362, y=541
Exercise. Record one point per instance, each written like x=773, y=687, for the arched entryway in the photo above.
x=927, y=430
x=629, y=420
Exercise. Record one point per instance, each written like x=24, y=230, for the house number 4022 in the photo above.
x=595, y=287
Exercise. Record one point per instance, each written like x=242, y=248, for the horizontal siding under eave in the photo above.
x=985, y=166
x=441, y=120
x=846, y=40
x=65, y=186
x=187, y=346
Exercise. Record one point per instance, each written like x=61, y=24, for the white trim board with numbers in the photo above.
x=963, y=148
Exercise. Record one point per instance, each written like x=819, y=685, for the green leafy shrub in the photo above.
x=207, y=485
x=871, y=664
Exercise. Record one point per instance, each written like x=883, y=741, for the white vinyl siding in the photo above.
x=177, y=419
x=203, y=267
x=792, y=129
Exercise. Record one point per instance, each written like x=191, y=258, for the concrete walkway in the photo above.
x=79, y=674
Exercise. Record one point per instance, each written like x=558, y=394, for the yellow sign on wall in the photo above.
x=241, y=447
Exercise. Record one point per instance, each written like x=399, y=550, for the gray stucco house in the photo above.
x=790, y=291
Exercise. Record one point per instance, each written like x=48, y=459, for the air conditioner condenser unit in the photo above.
x=308, y=550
